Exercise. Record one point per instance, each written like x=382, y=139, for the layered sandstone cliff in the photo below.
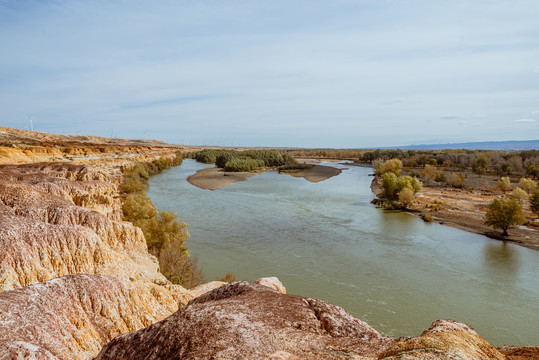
x=71, y=317
x=83, y=274
x=21, y=146
x=52, y=226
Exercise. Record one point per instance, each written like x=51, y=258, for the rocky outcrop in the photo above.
x=46, y=232
x=73, y=316
x=444, y=340
x=250, y=321
x=273, y=283
x=57, y=222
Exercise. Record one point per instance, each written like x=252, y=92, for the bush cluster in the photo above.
x=393, y=185
x=397, y=191
x=243, y=164
x=381, y=167
x=165, y=234
x=249, y=160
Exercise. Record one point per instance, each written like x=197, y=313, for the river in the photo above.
x=325, y=240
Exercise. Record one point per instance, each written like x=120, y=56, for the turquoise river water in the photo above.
x=325, y=240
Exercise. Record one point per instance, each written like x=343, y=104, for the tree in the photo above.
x=506, y=168
x=429, y=171
x=519, y=194
x=406, y=197
x=393, y=165
x=416, y=185
x=390, y=185
x=534, y=202
x=527, y=184
x=504, y=214
x=504, y=184
x=455, y=180
x=479, y=165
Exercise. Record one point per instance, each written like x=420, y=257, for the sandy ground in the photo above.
x=315, y=174
x=215, y=178
x=466, y=210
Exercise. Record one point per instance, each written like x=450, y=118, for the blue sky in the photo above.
x=273, y=73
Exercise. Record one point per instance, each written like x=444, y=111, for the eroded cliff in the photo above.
x=71, y=317
x=52, y=226
x=63, y=222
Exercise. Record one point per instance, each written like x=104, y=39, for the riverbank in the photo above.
x=216, y=178
x=465, y=210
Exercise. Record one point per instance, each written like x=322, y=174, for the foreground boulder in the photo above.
x=246, y=320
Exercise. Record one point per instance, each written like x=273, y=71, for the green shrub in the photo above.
x=243, y=164
x=504, y=184
x=220, y=157
x=381, y=167
x=519, y=194
x=455, y=180
x=427, y=217
x=229, y=278
x=165, y=235
x=138, y=208
x=406, y=197
x=133, y=185
x=527, y=184
x=440, y=176
x=504, y=214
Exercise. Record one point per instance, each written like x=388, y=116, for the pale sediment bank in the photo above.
x=216, y=178
x=464, y=210
x=316, y=174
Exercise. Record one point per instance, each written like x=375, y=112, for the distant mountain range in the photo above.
x=485, y=145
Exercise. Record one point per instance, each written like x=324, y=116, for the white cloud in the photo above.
x=392, y=102
x=525, y=120
x=183, y=65
x=452, y=117
x=535, y=112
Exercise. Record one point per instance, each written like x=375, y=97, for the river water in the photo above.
x=327, y=241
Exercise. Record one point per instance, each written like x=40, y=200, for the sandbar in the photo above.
x=316, y=174
x=216, y=178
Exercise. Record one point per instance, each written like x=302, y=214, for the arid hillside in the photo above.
x=73, y=274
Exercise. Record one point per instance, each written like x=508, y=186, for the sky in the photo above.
x=293, y=73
